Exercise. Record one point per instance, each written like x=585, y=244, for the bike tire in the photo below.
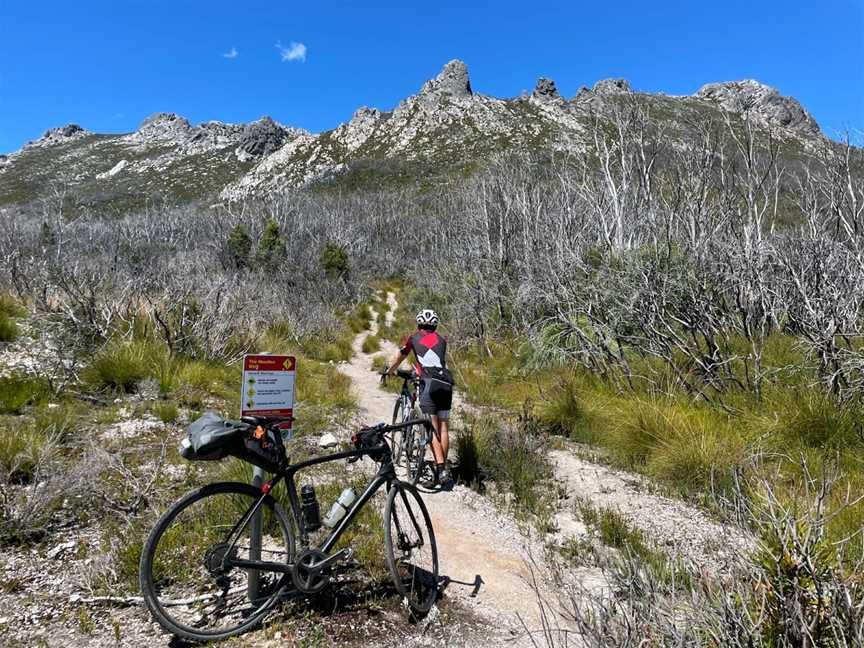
x=168, y=544
x=398, y=416
x=411, y=552
x=415, y=454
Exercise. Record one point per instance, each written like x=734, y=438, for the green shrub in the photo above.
x=334, y=261
x=514, y=456
x=8, y=328
x=17, y=391
x=371, y=344
x=239, y=246
x=271, y=246
x=11, y=307
x=359, y=319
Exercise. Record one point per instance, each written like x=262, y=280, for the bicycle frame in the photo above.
x=386, y=475
x=410, y=389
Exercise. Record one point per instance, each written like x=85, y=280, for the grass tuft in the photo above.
x=18, y=391
x=372, y=344
x=119, y=366
x=8, y=328
x=166, y=411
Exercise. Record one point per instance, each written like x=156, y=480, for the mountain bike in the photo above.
x=202, y=556
x=410, y=446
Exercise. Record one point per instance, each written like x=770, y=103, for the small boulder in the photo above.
x=327, y=441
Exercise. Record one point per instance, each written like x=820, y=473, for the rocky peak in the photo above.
x=261, y=138
x=69, y=130
x=364, y=114
x=162, y=125
x=452, y=80
x=611, y=87
x=752, y=98
x=59, y=135
x=545, y=90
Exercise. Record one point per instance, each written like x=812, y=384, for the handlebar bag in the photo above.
x=261, y=447
x=210, y=438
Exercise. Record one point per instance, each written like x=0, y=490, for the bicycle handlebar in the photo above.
x=372, y=437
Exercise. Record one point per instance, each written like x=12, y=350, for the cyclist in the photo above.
x=436, y=383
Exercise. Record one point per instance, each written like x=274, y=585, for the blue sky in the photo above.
x=107, y=65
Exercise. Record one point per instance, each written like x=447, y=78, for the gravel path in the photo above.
x=481, y=550
x=672, y=525
x=480, y=544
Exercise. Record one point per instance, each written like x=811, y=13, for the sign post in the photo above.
x=268, y=390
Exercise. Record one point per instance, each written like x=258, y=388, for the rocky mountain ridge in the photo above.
x=447, y=124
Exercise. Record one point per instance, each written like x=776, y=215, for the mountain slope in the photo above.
x=445, y=128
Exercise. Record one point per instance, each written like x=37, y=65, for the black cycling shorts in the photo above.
x=436, y=397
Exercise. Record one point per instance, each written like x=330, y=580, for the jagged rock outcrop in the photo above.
x=452, y=81
x=446, y=126
x=163, y=125
x=59, y=135
x=545, y=90
x=762, y=102
x=611, y=87
x=215, y=134
x=261, y=138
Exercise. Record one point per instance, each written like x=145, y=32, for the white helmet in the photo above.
x=428, y=317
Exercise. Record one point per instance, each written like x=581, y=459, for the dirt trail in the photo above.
x=478, y=544
x=482, y=553
x=677, y=528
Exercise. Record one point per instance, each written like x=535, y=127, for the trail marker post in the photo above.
x=268, y=390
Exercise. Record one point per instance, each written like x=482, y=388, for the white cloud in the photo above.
x=231, y=54
x=294, y=52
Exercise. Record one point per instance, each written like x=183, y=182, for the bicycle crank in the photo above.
x=307, y=573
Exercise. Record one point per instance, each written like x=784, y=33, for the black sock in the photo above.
x=438, y=470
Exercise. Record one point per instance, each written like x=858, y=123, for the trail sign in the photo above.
x=268, y=385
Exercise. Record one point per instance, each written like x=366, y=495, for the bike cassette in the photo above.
x=306, y=574
x=214, y=559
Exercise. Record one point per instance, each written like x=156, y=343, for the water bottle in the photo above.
x=309, y=506
x=340, y=507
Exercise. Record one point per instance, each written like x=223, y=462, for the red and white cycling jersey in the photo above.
x=430, y=350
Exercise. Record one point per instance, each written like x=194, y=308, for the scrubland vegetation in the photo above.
x=692, y=314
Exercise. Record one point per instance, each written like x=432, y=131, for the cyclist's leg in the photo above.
x=442, y=397
x=437, y=440
x=444, y=432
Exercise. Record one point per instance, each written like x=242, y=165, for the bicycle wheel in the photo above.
x=409, y=540
x=415, y=453
x=182, y=574
x=400, y=413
